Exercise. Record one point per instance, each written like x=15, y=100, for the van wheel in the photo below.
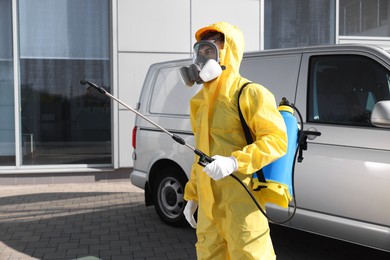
x=168, y=196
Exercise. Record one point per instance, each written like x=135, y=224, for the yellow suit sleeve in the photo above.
x=191, y=192
x=268, y=130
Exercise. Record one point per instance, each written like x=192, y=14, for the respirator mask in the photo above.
x=205, y=66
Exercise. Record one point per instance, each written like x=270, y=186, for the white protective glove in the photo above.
x=189, y=211
x=221, y=167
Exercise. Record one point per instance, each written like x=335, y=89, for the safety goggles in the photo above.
x=205, y=50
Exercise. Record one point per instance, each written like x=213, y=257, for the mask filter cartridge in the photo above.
x=211, y=70
x=190, y=75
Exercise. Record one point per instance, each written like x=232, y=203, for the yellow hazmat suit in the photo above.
x=229, y=224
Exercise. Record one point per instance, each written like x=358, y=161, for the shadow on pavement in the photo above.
x=88, y=226
x=117, y=225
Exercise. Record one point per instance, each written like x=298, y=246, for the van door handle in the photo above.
x=311, y=133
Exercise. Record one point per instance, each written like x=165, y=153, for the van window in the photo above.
x=278, y=73
x=343, y=89
x=170, y=95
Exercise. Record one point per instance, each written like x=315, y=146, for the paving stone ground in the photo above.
x=102, y=221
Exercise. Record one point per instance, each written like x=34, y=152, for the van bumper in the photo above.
x=140, y=179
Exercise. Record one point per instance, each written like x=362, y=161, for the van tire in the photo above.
x=168, y=196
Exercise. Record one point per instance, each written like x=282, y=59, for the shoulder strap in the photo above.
x=245, y=127
x=247, y=132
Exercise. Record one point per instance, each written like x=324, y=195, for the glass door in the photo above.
x=62, y=42
x=7, y=115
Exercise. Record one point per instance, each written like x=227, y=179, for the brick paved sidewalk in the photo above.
x=86, y=221
x=104, y=221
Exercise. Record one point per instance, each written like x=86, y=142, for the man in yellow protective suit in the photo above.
x=229, y=225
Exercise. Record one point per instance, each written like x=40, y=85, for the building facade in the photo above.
x=53, y=129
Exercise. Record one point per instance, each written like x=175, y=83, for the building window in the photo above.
x=7, y=119
x=343, y=89
x=364, y=18
x=298, y=23
x=62, y=42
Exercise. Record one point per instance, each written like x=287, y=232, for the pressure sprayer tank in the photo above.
x=280, y=171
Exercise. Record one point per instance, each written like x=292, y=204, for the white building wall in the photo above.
x=159, y=30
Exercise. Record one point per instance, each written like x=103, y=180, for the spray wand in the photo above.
x=203, y=158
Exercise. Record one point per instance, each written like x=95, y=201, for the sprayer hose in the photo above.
x=258, y=205
x=292, y=176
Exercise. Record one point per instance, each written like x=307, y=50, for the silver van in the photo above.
x=342, y=186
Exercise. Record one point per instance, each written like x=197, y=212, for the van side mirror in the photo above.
x=380, y=115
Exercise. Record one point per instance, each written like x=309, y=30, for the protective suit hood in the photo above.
x=232, y=53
